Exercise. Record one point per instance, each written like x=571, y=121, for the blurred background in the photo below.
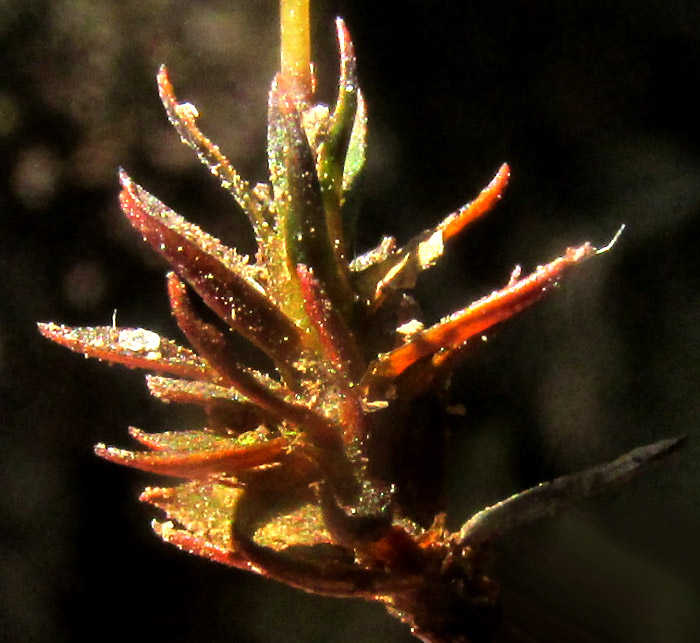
x=593, y=104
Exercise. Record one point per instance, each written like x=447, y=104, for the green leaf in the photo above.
x=298, y=202
x=335, y=169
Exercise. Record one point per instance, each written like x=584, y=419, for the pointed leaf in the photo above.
x=299, y=206
x=197, y=440
x=342, y=120
x=133, y=347
x=339, y=357
x=220, y=277
x=355, y=152
x=201, y=459
x=357, y=147
x=339, y=349
x=274, y=399
x=549, y=498
x=183, y=118
x=353, y=171
x=452, y=332
x=484, y=202
x=189, y=392
x=385, y=268
x=334, y=146
x=226, y=408
x=211, y=342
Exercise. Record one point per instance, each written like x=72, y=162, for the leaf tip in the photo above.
x=47, y=329
x=113, y=454
x=124, y=179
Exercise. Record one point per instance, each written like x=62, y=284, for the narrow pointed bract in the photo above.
x=325, y=472
x=387, y=268
x=183, y=117
x=478, y=317
x=133, y=347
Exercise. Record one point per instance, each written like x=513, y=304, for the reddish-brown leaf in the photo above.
x=133, y=347
x=387, y=268
x=452, y=332
x=226, y=460
x=224, y=280
x=183, y=117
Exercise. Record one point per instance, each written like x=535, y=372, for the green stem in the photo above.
x=296, y=47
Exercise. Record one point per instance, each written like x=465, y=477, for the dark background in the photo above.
x=594, y=106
